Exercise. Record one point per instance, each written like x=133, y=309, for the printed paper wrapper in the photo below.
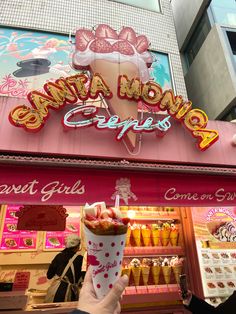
x=105, y=255
x=146, y=235
x=156, y=235
x=177, y=272
x=156, y=274
x=174, y=235
x=145, y=274
x=165, y=237
x=166, y=270
x=136, y=272
x=128, y=235
x=137, y=236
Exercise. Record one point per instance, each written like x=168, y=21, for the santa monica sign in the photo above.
x=73, y=89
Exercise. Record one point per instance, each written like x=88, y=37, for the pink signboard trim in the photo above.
x=75, y=186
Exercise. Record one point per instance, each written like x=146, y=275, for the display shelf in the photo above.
x=152, y=293
x=153, y=216
x=153, y=251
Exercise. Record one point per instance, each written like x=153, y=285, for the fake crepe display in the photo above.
x=118, y=63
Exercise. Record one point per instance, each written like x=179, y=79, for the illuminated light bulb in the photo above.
x=131, y=214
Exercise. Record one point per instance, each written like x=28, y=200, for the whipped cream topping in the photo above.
x=226, y=232
x=105, y=43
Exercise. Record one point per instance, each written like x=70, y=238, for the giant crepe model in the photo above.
x=110, y=53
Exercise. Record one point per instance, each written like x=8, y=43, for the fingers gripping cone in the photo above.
x=105, y=255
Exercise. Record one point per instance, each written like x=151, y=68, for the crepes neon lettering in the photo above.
x=71, y=90
x=113, y=122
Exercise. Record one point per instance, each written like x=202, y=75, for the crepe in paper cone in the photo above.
x=165, y=234
x=105, y=255
x=156, y=273
x=136, y=270
x=105, y=233
x=174, y=235
x=146, y=235
x=166, y=270
x=177, y=272
x=128, y=235
x=136, y=233
x=177, y=265
x=145, y=269
x=156, y=234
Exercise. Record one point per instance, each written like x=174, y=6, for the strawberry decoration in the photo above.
x=142, y=44
x=127, y=33
x=82, y=38
x=105, y=31
x=123, y=47
x=101, y=45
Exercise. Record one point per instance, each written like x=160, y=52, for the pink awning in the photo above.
x=76, y=186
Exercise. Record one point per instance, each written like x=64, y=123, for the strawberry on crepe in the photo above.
x=104, y=221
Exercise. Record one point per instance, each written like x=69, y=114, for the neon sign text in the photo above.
x=72, y=89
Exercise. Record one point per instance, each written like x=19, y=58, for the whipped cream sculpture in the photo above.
x=115, y=56
x=226, y=232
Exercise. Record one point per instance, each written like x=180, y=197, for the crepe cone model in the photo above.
x=128, y=235
x=136, y=270
x=165, y=233
x=166, y=270
x=110, y=55
x=224, y=231
x=156, y=234
x=145, y=269
x=146, y=235
x=105, y=232
x=126, y=270
x=177, y=265
x=156, y=269
x=174, y=235
x=136, y=233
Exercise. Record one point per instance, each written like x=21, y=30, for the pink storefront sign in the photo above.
x=76, y=186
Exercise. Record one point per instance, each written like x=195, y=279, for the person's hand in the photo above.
x=186, y=297
x=88, y=301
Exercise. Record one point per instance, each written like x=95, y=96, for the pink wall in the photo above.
x=176, y=146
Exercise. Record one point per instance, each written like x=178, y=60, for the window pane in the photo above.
x=198, y=38
x=224, y=11
x=152, y=5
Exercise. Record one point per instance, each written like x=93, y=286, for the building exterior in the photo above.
x=206, y=36
x=63, y=17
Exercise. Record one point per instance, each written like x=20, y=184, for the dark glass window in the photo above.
x=198, y=37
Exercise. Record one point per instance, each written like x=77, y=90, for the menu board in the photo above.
x=55, y=240
x=13, y=239
x=215, y=234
